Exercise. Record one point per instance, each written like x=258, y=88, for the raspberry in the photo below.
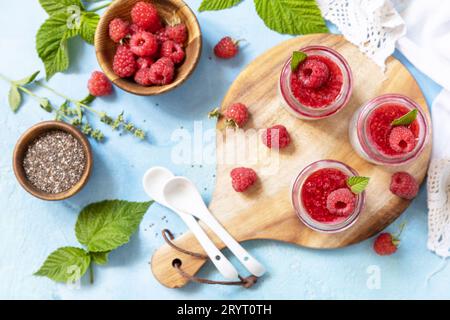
x=172, y=50
x=143, y=44
x=177, y=33
x=99, y=85
x=144, y=62
x=276, y=137
x=242, y=178
x=162, y=71
x=404, y=185
x=341, y=202
x=226, y=48
x=145, y=15
x=118, y=29
x=236, y=115
x=385, y=244
x=161, y=35
x=313, y=74
x=134, y=28
x=124, y=63
x=143, y=77
x=402, y=139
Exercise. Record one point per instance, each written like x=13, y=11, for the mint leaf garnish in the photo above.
x=291, y=17
x=297, y=58
x=357, y=184
x=208, y=5
x=406, y=119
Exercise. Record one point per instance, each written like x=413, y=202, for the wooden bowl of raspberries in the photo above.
x=148, y=47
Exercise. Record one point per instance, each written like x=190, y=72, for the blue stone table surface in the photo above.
x=30, y=228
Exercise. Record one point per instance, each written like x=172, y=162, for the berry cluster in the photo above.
x=147, y=50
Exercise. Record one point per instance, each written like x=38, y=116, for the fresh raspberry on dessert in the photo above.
x=142, y=77
x=404, y=185
x=124, y=63
x=162, y=71
x=236, y=115
x=99, y=85
x=276, y=137
x=118, y=29
x=402, y=139
x=242, y=178
x=161, y=35
x=144, y=62
x=143, y=44
x=385, y=244
x=177, y=33
x=341, y=202
x=145, y=15
x=313, y=73
x=226, y=48
x=172, y=50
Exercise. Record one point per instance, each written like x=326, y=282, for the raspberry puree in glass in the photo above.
x=317, y=81
x=316, y=189
x=379, y=126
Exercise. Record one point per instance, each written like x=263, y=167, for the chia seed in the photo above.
x=54, y=162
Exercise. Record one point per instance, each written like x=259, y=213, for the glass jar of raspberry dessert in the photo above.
x=320, y=86
x=322, y=198
x=375, y=136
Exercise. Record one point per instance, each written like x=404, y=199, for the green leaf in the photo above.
x=89, y=22
x=297, y=58
x=358, y=184
x=208, y=5
x=100, y=258
x=64, y=264
x=14, y=98
x=406, y=119
x=291, y=16
x=45, y=104
x=106, y=225
x=26, y=80
x=89, y=98
x=51, y=43
x=56, y=6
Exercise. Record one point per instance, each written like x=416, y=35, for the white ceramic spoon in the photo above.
x=181, y=193
x=154, y=181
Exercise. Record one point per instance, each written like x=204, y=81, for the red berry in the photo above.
x=99, y=85
x=177, y=33
x=143, y=44
x=162, y=71
x=124, y=63
x=134, y=28
x=404, y=185
x=144, y=62
x=142, y=77
x=242, y=178
x=276, y=137
x=172, y=50
x=226, y=48
x=402, y=139
x=118, y=29
x=237, y=114
x=341, y=202
x=385, y=244
x=145, y=15
x=161, y=35
x=313, y=73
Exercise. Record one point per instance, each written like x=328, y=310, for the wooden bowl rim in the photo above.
x=28, y=137
x=150, y=90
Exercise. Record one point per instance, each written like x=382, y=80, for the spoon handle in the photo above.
x=223, y=265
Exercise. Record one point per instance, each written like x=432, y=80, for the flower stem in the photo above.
x=91, y=273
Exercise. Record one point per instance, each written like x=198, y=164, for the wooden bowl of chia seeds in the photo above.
x=52, y=160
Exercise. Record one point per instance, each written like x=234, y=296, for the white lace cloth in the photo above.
x=377, y=27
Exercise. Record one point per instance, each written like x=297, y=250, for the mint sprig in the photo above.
x=357, y=184
x=101, y=227
x=406, y=119
x=297, y=58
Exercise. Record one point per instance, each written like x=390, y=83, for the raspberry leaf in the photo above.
x=291, y=17
x=56, y=6
x=208, y=5
x=100, y=258
x=406, y=119
x=357, y=184
x=297, y=58
x=45, y=104
x=26, y=80
x=89, y=22
x=14, y=98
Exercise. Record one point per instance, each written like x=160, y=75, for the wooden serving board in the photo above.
x=265, y=212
